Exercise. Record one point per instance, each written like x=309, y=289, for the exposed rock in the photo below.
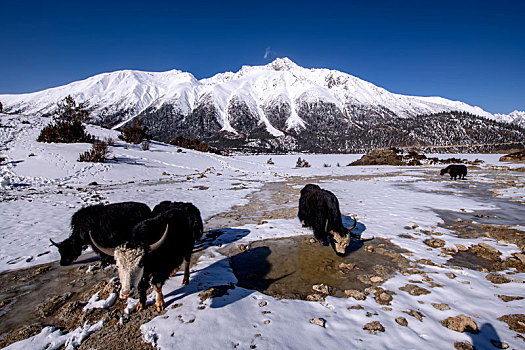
x=497, y=278
x=402, y=321
x=434, y=242
x=348, y=267
x=516, y=157
x=499, y=344
x=381, y=157
x=415, y=314
x=464, y=345
x=356, y=294
x=315, y=297
x=520, y=256
x=355, y=307
x=374, y=327
x=516, y=322
x=450, y=275
x=507, y=298
x=461, y=323
x=381, y=296
x=384, y=298
x=461, y=248
x=414, y=290
x=263, y=304
x=426, y=262
x=486, y=251
x=441, y=306
x=318, y=321
x=322, y=288
x=376, y=279
x=215, y=292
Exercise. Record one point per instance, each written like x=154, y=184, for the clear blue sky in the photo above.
x=473, y=51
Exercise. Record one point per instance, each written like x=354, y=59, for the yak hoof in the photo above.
x=140, y=307
x=161, y=306
x=185, y=282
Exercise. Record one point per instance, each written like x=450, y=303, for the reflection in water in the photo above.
x=288, y=268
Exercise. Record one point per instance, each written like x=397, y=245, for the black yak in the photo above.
x=155, y=249
x=319, y=210
x=192, y=213
x=110, y=224
x=455, y=170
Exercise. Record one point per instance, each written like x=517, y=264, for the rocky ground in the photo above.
x=50, y=294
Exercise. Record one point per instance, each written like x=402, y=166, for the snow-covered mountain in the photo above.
x=257, y=102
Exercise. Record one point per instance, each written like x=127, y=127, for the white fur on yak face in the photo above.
x=341, y=242
x=130, y=270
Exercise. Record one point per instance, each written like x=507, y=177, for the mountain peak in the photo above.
x=282, y=63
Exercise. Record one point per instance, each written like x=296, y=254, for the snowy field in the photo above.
x=42, y=185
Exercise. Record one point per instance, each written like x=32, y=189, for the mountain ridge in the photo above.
x=280, y=101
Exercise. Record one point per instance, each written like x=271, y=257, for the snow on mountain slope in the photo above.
x=125, y=90
x=119, y=96
x=516, y=117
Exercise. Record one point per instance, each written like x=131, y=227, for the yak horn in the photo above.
x=107, y=251
x=355, y=223
x=53, y=243
x=157, y=244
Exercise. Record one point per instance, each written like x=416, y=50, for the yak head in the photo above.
x=69, y=251
x=341, y=241
x=130, y=263
x=444, y=171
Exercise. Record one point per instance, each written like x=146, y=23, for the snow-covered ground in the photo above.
x=42, y=185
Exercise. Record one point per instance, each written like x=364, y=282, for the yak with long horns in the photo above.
x=155, y=250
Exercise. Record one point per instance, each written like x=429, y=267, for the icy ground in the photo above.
x=42, y=185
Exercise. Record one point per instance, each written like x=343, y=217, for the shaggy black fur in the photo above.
x=192, y=212
x=178, y=246
x=319, y=210
x=109, y=224
x=455, y=170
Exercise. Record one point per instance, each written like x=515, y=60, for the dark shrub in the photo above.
x=134, y=133
x=67, y=124
x=302, y=163
x=99, y=153
x=193, y=144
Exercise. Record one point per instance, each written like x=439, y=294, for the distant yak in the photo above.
x=319, y=210
x=455, y=171
x=156, y=248
x=109, y=224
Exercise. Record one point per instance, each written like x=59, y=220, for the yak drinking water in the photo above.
x=156, y=248
x=455, y=171
x=110, y=224
x=319, y=210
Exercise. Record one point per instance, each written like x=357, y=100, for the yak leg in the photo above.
x=143, y=288
x=174, y=272
x=159, y=299
x=186, y=278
